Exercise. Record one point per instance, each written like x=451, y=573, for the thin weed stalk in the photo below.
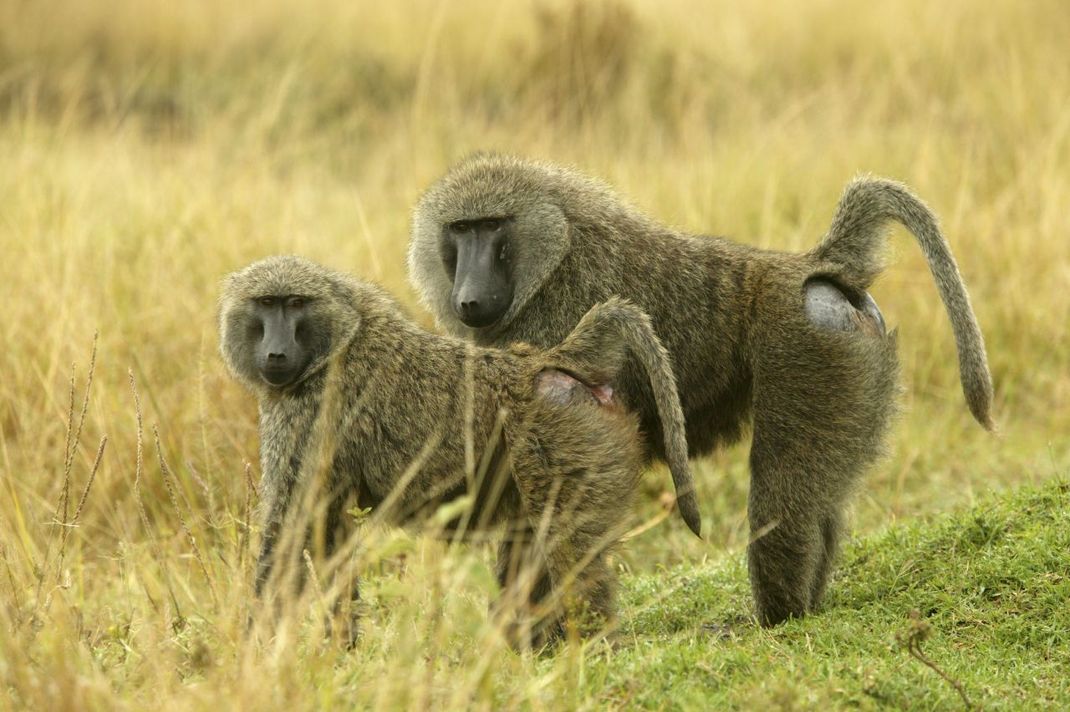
x=72, y=442
x=168, y=478
x=911, y=640
x=61, y=508
x=16, y=604
x=142, y=514
x=70, y=447
x=81, y=501
x=245, y=528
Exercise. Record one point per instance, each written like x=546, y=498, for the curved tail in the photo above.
x=855, y=242
x=596, y=349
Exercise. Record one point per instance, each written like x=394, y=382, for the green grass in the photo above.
x=148, y=148
x=991, y=584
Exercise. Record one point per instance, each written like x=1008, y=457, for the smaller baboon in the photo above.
x=399, y=418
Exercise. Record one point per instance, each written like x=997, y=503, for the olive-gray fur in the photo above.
x=790, y=343
x=387, y=395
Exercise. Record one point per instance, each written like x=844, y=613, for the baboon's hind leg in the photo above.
x=783, y=557
x=576, y=509
x=831, y=526
x=554, y=577
x=581, y=521
x=525, y=588
x=823, y=399
x=800, y=482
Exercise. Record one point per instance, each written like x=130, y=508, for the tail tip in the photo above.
x=980, y=404
x=688, y=507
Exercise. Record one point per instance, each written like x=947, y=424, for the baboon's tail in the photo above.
x=855, y=242
x=596, y=348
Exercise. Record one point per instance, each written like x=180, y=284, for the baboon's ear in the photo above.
x=541, y=237
x=427, y=272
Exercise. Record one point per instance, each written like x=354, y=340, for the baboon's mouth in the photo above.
x=277, y=377
x=478, y=322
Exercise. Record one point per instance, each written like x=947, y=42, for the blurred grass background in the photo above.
x=147, y=148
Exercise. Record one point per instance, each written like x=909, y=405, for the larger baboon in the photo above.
x=504, y=249
x=393, y=413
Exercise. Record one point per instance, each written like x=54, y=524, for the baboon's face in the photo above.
x=478, y=257
x=283, y=337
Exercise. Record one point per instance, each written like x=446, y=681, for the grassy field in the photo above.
x=147, y=148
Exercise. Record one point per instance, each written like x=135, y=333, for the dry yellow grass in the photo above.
x=148, y=148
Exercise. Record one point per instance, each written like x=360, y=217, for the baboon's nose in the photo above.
x=469, y=308
x=476, y=307
x=477, y=313
x=276, y=358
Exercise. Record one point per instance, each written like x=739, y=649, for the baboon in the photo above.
x=402, y=419
x=504, y=249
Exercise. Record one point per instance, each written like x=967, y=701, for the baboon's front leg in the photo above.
x=270, y=541
x=266, y=580
x=343, y=623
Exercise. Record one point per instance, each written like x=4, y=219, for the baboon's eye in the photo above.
x=266, y=301
x=492, y=225
x=296, y=302
x=461, y=226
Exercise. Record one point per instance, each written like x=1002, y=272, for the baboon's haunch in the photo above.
x=397, y=415
x=508, y=250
